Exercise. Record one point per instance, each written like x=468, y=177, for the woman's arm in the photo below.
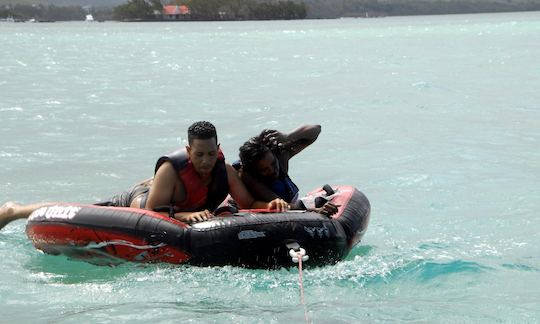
x=256, y=188
x=244, y=199
x=294, y=142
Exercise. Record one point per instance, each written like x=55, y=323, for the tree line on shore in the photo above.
x=42, y=12
x=374, y=8
x=215, y=10
x=263, y=9
x=150, y=10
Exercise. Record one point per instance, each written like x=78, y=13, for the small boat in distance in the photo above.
x=89, y=17
x=8, y=19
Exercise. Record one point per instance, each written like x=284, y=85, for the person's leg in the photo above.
x=11, y=211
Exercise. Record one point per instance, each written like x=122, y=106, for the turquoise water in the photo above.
x=435, y=119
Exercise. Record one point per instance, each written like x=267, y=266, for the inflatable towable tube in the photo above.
x=249, y=238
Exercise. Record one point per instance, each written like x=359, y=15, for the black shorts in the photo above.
x=126, y=198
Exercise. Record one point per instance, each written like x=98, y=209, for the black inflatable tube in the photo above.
x=253, y=240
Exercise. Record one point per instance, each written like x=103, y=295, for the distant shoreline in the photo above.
x=18, y=18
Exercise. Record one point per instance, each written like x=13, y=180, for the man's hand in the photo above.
x=196, y=217
x=278, y=204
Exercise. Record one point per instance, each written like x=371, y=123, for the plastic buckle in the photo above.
x=297, y=255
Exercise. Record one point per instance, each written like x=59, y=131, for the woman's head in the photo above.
x=258, y=160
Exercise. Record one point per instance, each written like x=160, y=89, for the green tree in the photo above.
x=134, y=10
x=156, y=5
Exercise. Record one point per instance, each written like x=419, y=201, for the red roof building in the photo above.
x=175, y=12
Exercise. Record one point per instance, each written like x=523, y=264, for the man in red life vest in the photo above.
x=191, y=182
x=195, y=180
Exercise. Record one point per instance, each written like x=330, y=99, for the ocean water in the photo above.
x=435, y=118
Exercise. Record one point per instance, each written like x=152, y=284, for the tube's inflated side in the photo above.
x=110, y=235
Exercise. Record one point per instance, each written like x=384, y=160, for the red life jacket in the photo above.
x=198, y=195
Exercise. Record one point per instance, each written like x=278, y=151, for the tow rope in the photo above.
x=298, y=255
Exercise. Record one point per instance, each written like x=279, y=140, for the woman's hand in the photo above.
x=274, y=139
x=195, y=217
x=327, y=209
x=278, y=204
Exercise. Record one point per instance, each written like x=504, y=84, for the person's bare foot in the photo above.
x=7, y=212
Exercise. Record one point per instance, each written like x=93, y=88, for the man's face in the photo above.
x=203, y=154
x=268, y=166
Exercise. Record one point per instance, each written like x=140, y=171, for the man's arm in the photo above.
x=162, y=191
x=162, y=188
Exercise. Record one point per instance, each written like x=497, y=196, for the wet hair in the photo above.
x=201, y=130
x=252, y=152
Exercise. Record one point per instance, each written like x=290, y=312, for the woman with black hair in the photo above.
x=265, y=165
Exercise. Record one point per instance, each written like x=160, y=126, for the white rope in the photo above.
x=299, y=257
